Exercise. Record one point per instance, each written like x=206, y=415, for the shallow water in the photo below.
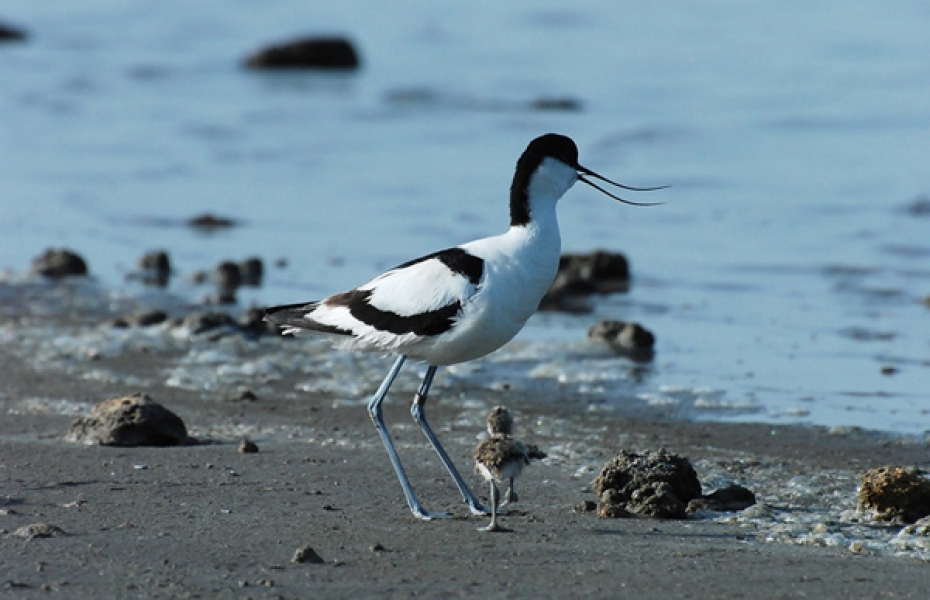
x=783, y=272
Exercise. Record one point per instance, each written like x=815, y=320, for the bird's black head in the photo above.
x=564, y=150
x=551, y=145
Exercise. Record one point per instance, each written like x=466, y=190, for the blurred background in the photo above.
x=786, y=276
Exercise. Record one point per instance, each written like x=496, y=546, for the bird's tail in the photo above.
x=296, y=317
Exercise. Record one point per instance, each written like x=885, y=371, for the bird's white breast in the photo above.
x=519, y=267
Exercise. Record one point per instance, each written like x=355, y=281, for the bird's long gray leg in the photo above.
x=374, y=410
x=418, y=410
x=495, y=498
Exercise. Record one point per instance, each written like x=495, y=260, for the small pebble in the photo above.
x=247, y=446
x=307, y=555
x=245, y=396
x=39, y=530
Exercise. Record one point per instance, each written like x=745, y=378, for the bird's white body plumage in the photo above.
x=518, y=268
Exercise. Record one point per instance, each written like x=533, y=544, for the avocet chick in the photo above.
x=501, y=457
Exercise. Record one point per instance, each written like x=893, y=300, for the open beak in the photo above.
x=584, y=171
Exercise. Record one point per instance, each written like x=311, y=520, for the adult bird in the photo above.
x=457, y=304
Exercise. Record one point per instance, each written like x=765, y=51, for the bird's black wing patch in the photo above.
x=428, y=323
x=458, y=260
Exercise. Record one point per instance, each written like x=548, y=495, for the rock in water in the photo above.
x=330, y=53
x=627, y=339
x=57, y=264
x=9, y=33
x=582, y=275
x=252, y=270
x=129, y=421
x=155, y=268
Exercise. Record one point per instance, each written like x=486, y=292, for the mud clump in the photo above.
x=134, y=420
x=651, y=484
x=895, y=494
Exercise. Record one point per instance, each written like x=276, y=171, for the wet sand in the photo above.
x=206, y=521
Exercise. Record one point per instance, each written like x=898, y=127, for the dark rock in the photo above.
x=329, y=53
x=57, y=264
x=120, y=323
x=155, y=268
x=208, y=223
x=729, y=499
x=895, y=493
x=129, y=421
x=251, y=272
x=227, y=278
x=920, y=207
x=253, y=324
x=247, y=446
x=152, y=317
x=585, y=506
x=245, y=396
x=307, y=555
x=569, y=297
x=202, y=321
x=582, y=275
x=652, y=484
x=8, y=33
x=146, y=319
x=558, y=104
x=221, y=298
x=629, y=339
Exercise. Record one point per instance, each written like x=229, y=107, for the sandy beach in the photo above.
x=205, y=520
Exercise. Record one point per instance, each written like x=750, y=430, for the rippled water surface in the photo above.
x=783, y=276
